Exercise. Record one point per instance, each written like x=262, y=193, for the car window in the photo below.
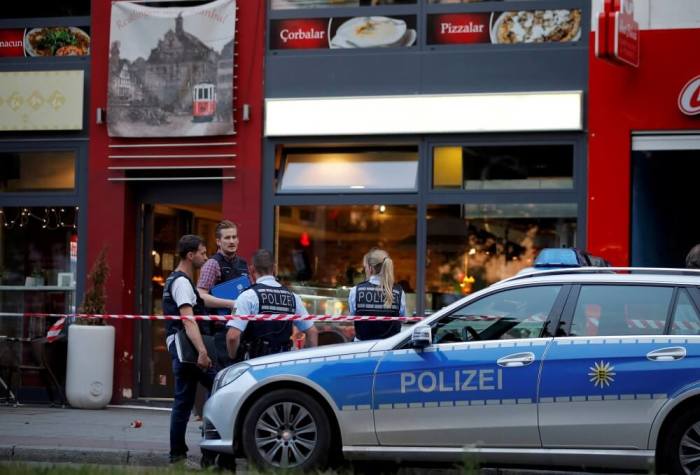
x=515, y=313
x=686, y=320
x=607, y=310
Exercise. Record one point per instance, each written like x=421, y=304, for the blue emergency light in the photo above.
x=560, y=257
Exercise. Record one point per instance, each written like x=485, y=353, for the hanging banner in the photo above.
x=171, y=70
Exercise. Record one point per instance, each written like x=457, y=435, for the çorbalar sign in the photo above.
x=689, y=98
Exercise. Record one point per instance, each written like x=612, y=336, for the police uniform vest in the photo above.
x=369, y=300
x=270, y=337
x=170, y=306
x=230, y=269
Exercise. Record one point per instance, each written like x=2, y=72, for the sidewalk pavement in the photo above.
x=45, y=434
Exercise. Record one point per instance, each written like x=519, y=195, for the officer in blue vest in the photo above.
x=379, y=296
x=258, y=338
x=221, y=267
x=180, y=297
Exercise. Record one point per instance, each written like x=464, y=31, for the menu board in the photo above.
x=343, y=33
x=302, y=4
x=510, y=27
x=45, y=41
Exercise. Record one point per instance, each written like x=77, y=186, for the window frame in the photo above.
x=572, y=302
x=695, y=303
x=425, y=196
x=550, y=324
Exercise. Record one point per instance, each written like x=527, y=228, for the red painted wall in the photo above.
x=623, y=100
x=112, y=214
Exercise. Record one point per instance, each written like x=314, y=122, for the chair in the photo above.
x=41, y=365
x=9, y=364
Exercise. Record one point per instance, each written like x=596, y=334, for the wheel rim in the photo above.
x=689, y=449
x=286, y=434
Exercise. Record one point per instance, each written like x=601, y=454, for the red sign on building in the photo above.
x=617, y=38
x=459, y=28
x=689, y=98
x=11, y=43
x=626, y=33
x=299, y=34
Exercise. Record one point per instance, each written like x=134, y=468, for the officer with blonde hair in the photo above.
x=379, y=296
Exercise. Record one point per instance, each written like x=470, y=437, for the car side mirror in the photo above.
x=421, y=336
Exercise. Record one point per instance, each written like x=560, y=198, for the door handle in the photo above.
x=672, y=353
x=516, y=359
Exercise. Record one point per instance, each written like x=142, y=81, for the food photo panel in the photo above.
x=344, y=33
x=302, y=4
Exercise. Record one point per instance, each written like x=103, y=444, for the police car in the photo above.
x=582, y=367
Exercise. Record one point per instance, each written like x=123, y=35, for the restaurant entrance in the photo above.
x=162, y=219
x=664, y=183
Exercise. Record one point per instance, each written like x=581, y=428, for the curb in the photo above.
x=13, y=453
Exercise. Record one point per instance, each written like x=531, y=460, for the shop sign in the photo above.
x=626, y=33
x=44, y=41
x=617, y=37
x=41, y=100
x=307, y=4
x=510, y=27
x=343, y=33
x=459, y=28
x=11, y=43
x=689, y=98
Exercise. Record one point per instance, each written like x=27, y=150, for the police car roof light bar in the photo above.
x=604, y=270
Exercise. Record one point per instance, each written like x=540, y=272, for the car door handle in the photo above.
x=667, y=354
x=516, y=359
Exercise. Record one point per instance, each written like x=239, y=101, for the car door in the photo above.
x=477, y=383
x=603, y=383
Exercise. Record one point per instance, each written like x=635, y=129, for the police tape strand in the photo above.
x=260, y=317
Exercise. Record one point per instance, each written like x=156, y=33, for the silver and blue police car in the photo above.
x=588, y=367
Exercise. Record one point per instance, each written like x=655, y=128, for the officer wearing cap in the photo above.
x=246, y=339
x=379, y=296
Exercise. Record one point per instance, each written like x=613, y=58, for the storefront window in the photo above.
x=503, y=167
x=472, y=246
x=37, y=171
x=38, y=258
x=308, y=171
x=320, y=250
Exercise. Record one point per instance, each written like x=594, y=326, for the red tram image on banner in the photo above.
x=203, y=102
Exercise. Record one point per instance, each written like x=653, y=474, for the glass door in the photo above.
x=162, y=225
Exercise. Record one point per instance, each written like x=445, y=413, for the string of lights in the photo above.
x=53, y=218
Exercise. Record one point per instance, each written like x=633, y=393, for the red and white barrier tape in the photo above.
x=261, y=317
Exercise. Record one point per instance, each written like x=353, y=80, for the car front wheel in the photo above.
x=684, y=444
x=286, y=429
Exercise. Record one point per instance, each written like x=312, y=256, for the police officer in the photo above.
x=221, y=267
x=257, y=338
x=378, y=295
x=180, y=297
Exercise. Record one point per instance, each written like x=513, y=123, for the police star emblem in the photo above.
x=602, y=374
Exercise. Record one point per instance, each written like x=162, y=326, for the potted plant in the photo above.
x=90, y=365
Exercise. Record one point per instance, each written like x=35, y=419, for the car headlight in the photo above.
x=229, y=375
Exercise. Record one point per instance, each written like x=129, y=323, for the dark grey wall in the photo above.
x=425, y=69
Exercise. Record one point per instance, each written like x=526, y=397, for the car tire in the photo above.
x=684, y=441
x=287, y=429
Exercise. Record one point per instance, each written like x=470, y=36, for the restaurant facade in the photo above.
x=44, y=132
x=451, y=134
x=644, y=140
x=462, y=137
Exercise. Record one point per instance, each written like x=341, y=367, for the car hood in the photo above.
x=319, y=352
